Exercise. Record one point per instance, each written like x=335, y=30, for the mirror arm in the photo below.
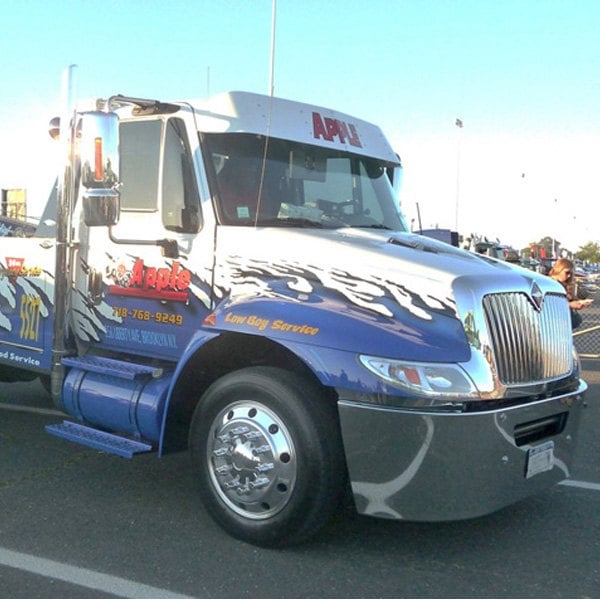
x=170, y=248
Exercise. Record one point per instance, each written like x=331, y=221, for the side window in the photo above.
x=139, y=168
x=180, y=201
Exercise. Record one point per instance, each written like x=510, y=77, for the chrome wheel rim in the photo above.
x=251, y=460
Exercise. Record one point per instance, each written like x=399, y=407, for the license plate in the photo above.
x=540, y=459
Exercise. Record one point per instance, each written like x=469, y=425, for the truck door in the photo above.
x=133, y=292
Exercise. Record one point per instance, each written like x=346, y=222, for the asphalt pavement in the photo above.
x=77, y=523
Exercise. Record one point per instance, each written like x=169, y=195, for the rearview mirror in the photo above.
x=101, y=208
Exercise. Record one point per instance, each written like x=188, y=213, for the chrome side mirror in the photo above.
x=99, y=159
x=101, y=208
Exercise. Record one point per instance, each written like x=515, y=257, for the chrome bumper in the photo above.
x=432, y=466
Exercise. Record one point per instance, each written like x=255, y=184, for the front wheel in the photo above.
x=266, y=447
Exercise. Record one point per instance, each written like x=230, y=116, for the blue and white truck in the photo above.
x=234, y=276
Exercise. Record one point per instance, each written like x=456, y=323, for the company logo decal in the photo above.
x=14, y=264
x=537, y=296
x=260, y=323
x=331, y=129
x=167, y=283
x=15, y=267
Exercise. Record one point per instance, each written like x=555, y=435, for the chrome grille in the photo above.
x=529, y=346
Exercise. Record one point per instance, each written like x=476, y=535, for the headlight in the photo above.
x=442, y=380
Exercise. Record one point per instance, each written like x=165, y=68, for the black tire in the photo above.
x=266, y=447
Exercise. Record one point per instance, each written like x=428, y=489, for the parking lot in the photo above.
x=79, y=523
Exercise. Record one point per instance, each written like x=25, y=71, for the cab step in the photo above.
x=112, y=367
x=99, y=440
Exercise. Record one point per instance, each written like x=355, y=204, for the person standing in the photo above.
x=563, y=271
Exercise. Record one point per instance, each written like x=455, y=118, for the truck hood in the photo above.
x=379, y=271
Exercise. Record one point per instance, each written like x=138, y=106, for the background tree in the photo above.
x=589, y=252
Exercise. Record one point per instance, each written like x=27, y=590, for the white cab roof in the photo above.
x=244, y=112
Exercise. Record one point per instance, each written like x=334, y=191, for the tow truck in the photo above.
x=234, y=276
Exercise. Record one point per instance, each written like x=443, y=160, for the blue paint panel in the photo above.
x=25, y=318
x=154, y=328
x=341, y=369
x=332, y=323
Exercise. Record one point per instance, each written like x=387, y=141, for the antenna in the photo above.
x=272, y=73
x=271, y=90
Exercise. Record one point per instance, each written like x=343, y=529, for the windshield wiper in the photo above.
x=289, y=222
x=373, y=226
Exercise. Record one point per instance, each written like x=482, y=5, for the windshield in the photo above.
x=273, y=182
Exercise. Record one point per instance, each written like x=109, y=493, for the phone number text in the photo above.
x=148, y=315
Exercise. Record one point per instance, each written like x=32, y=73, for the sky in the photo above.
x=523, y=77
